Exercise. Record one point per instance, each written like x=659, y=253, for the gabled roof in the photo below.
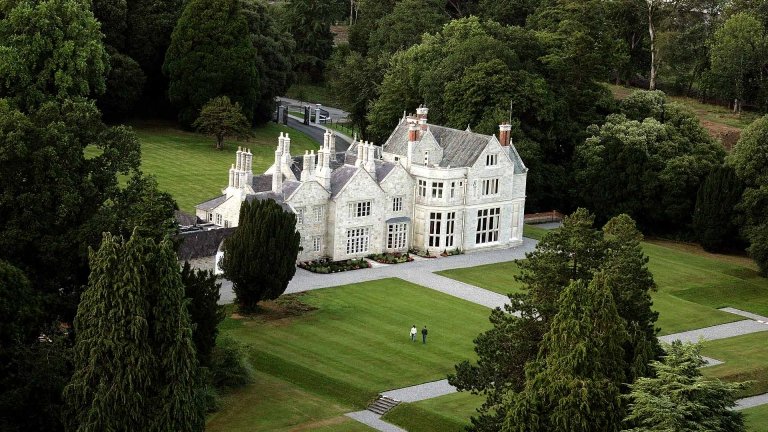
x=262, y=183
x=383, y=169
x=211, y=203
x=461, y=148
x=340, y=177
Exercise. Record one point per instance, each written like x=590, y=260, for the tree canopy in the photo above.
x=221, y=118
x=260, y=256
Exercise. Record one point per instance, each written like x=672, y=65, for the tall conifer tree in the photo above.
x=260, y=256
x=135, y=365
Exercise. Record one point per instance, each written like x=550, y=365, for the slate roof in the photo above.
x=298, y=163
x=261, y=196
x=383, y=169
x=340, y=177
x=460, y=148
x=211, y=203
x=262, y=183
x=185, y=219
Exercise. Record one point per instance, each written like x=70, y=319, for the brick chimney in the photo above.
x=504, y=130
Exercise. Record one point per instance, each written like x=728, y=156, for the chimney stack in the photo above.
x=277, y=173
x=359, y=161
x=305, y=166
x=504, y=130
x=421, y=114
x=370, y=157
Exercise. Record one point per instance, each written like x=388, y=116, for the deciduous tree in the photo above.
x=221, y=118
x=260, y=256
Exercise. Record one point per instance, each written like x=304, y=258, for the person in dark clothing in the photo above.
x=424, y=335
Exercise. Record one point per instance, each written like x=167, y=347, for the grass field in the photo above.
x=188, y=166
x=448, y=413
x=354, y=345
x=691, y=286
x=756, y=418
x=273, y=404
x=745, y=359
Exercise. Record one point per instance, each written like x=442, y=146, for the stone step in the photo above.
x=382, y=405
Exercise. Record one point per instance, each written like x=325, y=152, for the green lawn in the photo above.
x=356, y=343
x=691, y=287
x=276, y=405
x=187, y=165
x=448, y=413
x=757, y=418
x=534, y=232
x=745, y=359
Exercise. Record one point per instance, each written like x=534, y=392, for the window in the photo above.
x=422, y=188
x=487, y=226
x=357, y=240
x=396, y=235
x=397, y=158
x=426, y=158
x=453, y=190
x=360, y=209
x=226, y=224
x=435, y=220
x=317, y=244
x=450, y=224
x=491, y=159
x=490, y=186
x=397, y=204
x=299, y=215
x=319, y=212
x=437, y=190
x=210, y=217
x=218, y=219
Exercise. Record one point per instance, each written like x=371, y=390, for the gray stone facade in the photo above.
x=428, y=187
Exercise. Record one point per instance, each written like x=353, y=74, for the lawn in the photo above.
x=691, y=286
x=534, y=232
x=756, y=418
x=270, y=403
x=448, y=413
x=745, y=359
x=356, y=345
x=188, y=166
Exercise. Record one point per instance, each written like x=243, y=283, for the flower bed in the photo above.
x=325, y=265
x=421, y=253
x=447, y=252
x=391, y=257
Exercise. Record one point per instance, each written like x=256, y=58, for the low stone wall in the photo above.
x=200, y=244
x=544, y=217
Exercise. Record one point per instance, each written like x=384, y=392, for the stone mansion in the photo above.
x=428, y=187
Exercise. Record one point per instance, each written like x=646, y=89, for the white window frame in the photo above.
x=300, y=216
x=397, y=235
x=319, y=212
x=487, y=225
x=437, y=190
x=210, y=217
x=360, y=209
x=397, y=204
x=450, y=228
x=492, y=159
x=490, y=186
x=218, y=218
x=435, y=229
x=422, y=188
x=358, y=240
x=317, y=243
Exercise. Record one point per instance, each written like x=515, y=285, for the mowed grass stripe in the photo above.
x=189, y=168
x=745, y=358
x=358, y=337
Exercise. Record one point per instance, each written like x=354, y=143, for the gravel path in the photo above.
x=422, y=391
x=722, y=331
x=374, y=420
x=751, y=402
x=746, y=314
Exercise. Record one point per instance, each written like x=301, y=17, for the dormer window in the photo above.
x=492, y=159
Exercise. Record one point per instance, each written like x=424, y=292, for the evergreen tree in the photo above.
x=575, y=384
x=678, y=398
x=260, y=256
x=50, y=49
x=135, y=364
x=713, y=217
x=202, y=290
x=309, y=22
x=210, y=55
x=626, y=272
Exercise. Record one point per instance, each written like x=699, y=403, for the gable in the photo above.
x=360, y=180
x=494, y=147
x=309, y=190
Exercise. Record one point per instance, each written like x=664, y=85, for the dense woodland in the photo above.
x=71, y=71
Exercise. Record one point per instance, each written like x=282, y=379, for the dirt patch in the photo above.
x=285, y=307
x=340, y=34
x=727, y=135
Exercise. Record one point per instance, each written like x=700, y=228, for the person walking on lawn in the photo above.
x=424, y=335
x=413, y=333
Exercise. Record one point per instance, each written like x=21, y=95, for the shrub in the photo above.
x=229, y=367
x=325, y=265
